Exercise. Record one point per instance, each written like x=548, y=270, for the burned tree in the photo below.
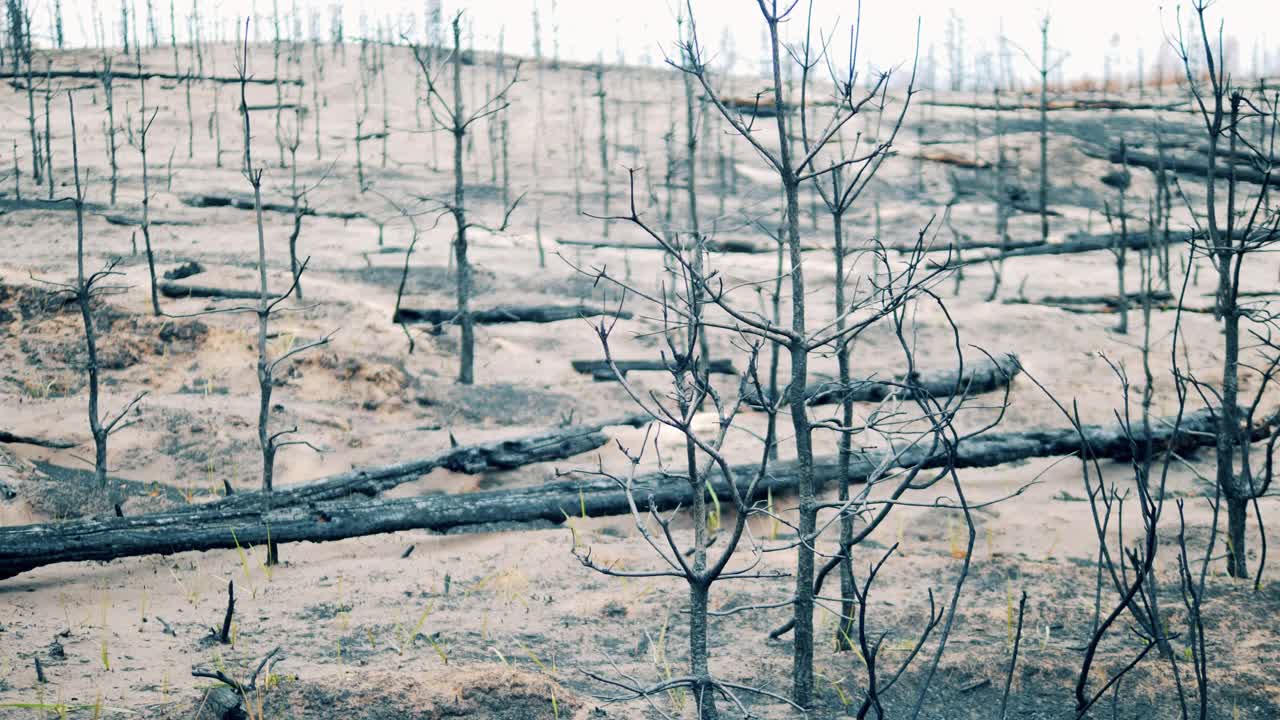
x=88, y=289
x=108, y=94
x=451, y=114
x=896, y=288
x=139, y=140
x=1230, y=237
x=269, y=441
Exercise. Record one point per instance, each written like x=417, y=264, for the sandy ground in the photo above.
x=364, y=628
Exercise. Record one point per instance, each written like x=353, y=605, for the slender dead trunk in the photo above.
x=83, y=299
x=31, y=110
x=1227, y=306
x=699, y=244
x=295, y=268
x=802, y=669
x=775, y=355
x=1002, y=234
x=848, y=593
x=316, y=70
x=537, y=238
x=604, y=143
x=360, y=113
x=48, y=132
x=466, y=369
x=266, y=442
x=17, y=174
x=275, y=59
x=145, y=127
x=386, y=103
x=1044, y=129
x=108, y=93
x=504, y=137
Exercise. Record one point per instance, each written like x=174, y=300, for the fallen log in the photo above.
x=1110, y=241
x=504, y=314
x=1057, y=105
x=1030, y=209
x=280, y=106
x=713, y=245
x=600, y=370
x=970, y=244
x=1111, y=309
x=1225, y=153
x=1078, y=244
x=1134, y=300
x=97, y=75
x=184, y=271
x=980, y=376
x=948, y=158
x=1177, y=164
x=183, y=290
x=28, y=547
x=761, y=106
x=247, y=203
x=9, y=438
x=555, y=444
x=131, y=221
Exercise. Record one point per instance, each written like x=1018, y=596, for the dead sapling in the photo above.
x=451, y=114
x=108, y=94
x=269, y=441
x=1234, y=233
x=87, y=291
x=138, y=138
x=704, y=467
x=794, y=167
x=846, y=179
x=1120, y=180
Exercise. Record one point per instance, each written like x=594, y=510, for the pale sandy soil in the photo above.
x=356, y=618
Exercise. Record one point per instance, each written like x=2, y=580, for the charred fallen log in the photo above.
x=222, y=526
x=9, y=438
x=97, y=75
x=722, y=245
x=983, y=375
x=1242, y=171
x=1158, y=297
x=183, y=290
x=600, y=370
x=509, y=454
x=1058, y=105
x=504, y=314
x=247, y=203
x=1079, y=244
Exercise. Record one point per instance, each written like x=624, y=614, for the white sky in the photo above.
x=1087, y=30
